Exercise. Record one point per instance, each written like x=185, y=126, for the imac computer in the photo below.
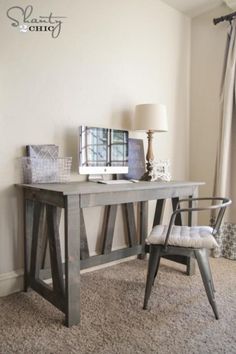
x=102, y=151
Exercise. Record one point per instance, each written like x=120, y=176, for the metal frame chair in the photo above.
x=200, y=254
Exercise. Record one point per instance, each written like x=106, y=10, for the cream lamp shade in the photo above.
x=151, y=117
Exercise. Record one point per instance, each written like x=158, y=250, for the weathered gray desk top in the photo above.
x=74, y=188
x=93, y=194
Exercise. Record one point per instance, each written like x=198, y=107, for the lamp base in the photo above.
x=148, y=175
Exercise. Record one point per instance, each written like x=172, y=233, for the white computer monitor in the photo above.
x=103, y=150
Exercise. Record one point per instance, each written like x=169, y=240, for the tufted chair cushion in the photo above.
x=184, y=236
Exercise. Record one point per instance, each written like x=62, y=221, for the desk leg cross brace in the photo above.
x=64, y=294
x=56, y=293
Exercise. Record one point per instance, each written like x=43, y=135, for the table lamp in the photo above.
x=150, y=118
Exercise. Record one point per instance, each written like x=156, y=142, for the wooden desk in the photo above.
x=42, y=212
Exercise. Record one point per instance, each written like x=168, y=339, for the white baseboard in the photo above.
x=13, y=282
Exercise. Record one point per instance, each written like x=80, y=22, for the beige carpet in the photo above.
x=180, y=319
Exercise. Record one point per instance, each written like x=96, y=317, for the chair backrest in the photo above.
x=219, y=217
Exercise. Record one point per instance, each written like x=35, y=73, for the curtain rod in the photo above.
x=228, y=17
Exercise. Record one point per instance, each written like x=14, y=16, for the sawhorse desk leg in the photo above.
x=72, y=260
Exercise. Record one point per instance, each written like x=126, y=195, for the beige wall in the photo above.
x=207, y=57
x=109, y=56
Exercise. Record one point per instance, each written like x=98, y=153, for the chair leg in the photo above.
x=156, y=271
x=208, y=264
x=204, y=266
x=153, y=265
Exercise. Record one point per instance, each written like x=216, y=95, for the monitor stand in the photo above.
x=95, y=178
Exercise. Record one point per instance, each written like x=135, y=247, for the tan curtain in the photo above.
x=225, y=178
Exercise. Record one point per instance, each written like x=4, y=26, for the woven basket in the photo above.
x=36, y=170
